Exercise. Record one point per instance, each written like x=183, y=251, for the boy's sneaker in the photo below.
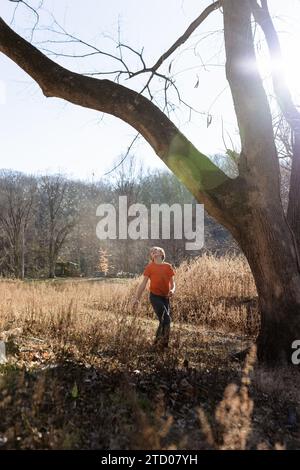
x=159, y=345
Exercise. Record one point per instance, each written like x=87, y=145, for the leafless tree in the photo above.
x=17, y=193
x=60, y=215
x=249, y=205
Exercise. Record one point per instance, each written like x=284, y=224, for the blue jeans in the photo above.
x=161, y=306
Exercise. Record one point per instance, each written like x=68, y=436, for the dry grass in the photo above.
x=216, y=293
x=81, y=373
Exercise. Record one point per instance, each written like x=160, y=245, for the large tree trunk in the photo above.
x=268, y=244
x=293, y=212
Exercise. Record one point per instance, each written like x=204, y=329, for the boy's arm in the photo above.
x=141, y=289
x=172, y=286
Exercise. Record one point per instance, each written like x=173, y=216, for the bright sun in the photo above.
x=290, y=66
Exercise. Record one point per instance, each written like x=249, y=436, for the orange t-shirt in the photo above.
x=160, y=276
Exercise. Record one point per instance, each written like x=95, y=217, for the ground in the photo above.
x=84, y=376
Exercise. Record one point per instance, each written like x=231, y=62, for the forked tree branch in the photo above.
x=182, y=39
x=124, y=70
x=196, y=171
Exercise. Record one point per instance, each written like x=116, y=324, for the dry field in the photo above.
x=80, y=372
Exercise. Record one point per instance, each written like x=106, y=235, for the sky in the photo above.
x=39, y=134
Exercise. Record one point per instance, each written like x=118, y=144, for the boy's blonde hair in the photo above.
x=160, y=249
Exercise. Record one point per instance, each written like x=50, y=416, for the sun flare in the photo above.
x=288, y=66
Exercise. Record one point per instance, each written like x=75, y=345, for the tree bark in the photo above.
x=268, y=245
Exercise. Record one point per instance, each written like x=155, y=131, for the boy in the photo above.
x=162, y=287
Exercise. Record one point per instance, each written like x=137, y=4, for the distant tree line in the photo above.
x=49, y=222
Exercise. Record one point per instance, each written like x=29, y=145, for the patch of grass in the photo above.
x=193, y=395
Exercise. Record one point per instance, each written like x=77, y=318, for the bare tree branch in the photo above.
x=202, y=177
x=152, y=71
x=185, y=36
x=34, y=11
x=74, y=39
x=181, y=40
x=125, y=156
